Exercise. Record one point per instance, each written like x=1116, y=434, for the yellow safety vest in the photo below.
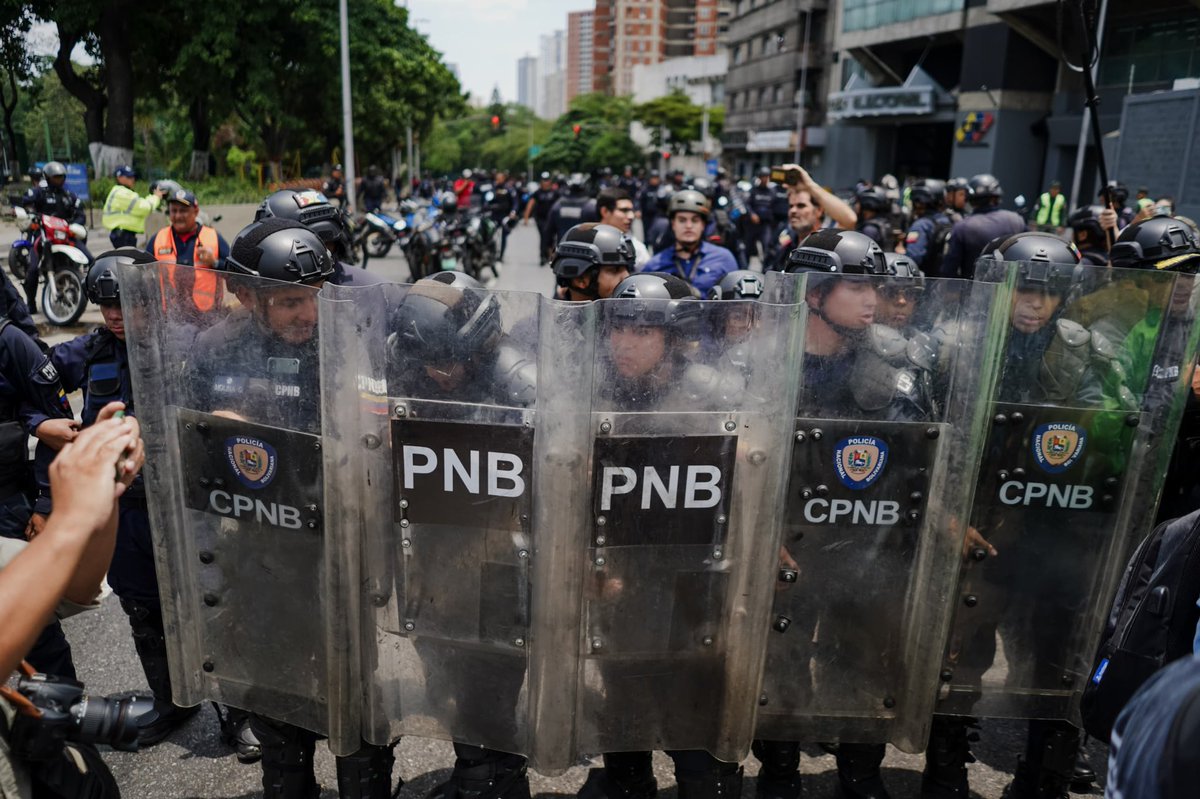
x=1050, y=212
x=125, y=210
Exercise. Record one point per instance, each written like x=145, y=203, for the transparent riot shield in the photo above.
x=686, y=478
x=434, y=394
x=227, y=389
x=1093, y=379
x=888, y=423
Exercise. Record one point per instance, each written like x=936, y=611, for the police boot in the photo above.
x=779, y=776
x=946, y=758
x=1084, y=776
x=367, y=774
x=1049, y=763
x=481, y=773
x=237, y=735
x=626, y=775
x=858, y=771
x=287, y=760
x=145, y=621
x=724, y=782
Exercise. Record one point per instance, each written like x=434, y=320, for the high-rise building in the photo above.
x=527, y=80
x=628, y=33
x=580, y=53
x=552, y=75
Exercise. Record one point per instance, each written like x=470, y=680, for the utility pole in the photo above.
x=408, y=163
x=347, y=110
x=802, y=89
x=1074, y=200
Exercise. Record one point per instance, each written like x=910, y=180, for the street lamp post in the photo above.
x=347, y=111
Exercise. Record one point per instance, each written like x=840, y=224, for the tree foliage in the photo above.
x=681, y=119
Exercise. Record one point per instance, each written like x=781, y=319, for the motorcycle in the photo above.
x=377, y=232
x=481, y=245
x=51, y=241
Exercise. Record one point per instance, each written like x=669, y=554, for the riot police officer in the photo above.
x=53, y=199
x=900, y=294
x=925, y=242
x=986, y=222
x=503, y=207
x=273, y=341
x=1089, y=235
x=648, y=203
x=570, y=210
x=956, y=198
x=315, y=212
x=646, y=366
x=873, y=206
x=591, y=260
x=761, y=221
x=538, y=207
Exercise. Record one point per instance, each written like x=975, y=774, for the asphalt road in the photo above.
x=193, y=762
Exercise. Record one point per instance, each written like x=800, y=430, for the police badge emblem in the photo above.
x=252, y=460
x=1057, y=445
x=859, y=460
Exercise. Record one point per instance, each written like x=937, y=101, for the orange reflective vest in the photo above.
x=206, y=287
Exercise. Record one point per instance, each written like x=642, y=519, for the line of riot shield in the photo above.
x=434, y=392
x=686, y=476
x=1093, y=379
x=229, y=403
x=888, y=422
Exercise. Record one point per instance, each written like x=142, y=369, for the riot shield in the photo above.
x=889, y=421
x=432, y=395
x=229, y=403
x=686, y=475
x=1092, y=384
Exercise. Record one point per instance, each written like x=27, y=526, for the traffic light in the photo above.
x=495, y=122
x=666, y=155
x=576, y=128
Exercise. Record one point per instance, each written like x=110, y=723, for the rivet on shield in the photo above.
x=606, y=426
x=208, y=665
x=707, y=640
x=518, y=642
x=522, y=554
x=1111, y=482
x=205, y=482
x=822, y=490
x=404, y=522
x=762, y=699
x=932, y=433
x=202, y=427
x=187, y=426
x=815, y=434
x=371, y=441
x=1018, y=417
x=914, y=515
x=312, y=524
x=404, y=503
x=801, y=436
x=721, y=520
x=597, y=644
x=970, y=600
x=408, y=625
x=788, y=575
x=600, y=561
x=806, y=493
x=211, y=600
x=889, y=702
x=601, y=521
x=1068, y=680
x=311, y=508
x=1106, y=499
x=946, y=675
x=601, y=540
x=916, y=496
x=756, y=457
x=406, y=543
x=979, y=553
x=206, y=557
x=1131, y=420
x=317, y=446
x=730, y=426
x=219, y=483
x=400, y=411
x=781, y=624
x=1000, y=419
x=1018, y=473
x=718, y=553
x=1002, y=474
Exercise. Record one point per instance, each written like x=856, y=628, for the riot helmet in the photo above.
x=576, y=183
x=741, y=284
x=1162, y=243
x=55, y=173
x=1117, y=191
x=589, y=247
x=902, y=268
x=1047, y=263
x=280, y=249
x=659, y=300
x=1087, y=218
x=930, y=193
x=461, y=280
x=984, y=189
x=899, y=293
x=311, y=209
x=688, y=200
x=445, y=320
x=102, y=283
x=873, y=198
x=845, y=252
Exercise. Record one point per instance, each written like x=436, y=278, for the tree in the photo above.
x=18, y=69
x=680, y=118
x=603, y=138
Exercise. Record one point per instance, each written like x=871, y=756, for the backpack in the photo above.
x=939, y=238
x=1152, y=621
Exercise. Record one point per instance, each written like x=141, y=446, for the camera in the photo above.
x=57, y=710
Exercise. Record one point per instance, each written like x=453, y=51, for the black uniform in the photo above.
x=880, y=231
x=569, y=211
x=969, y=236
x=543, y=202
x=330, y=189
x=760, y=202
x=505, y=202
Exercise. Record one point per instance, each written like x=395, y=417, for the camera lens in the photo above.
x=111, y=721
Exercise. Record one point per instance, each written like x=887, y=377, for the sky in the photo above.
x=486, y=37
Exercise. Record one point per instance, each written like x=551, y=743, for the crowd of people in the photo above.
x=701, y=238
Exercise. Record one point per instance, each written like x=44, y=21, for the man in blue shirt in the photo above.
x=699, y=262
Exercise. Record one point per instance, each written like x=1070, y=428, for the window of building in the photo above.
x=862, y=14
x=777, y=95
x=737, y=54
x=1151, y=51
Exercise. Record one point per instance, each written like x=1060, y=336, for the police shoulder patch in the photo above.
x=912, y=237
x=47, y=371
x=1057, y=446
x=860, y=460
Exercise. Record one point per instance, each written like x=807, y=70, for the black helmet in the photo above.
x=280, y=249
x=688, y=200
x=1118, y=191
x=1047, y=262
x=873, y=198
x=657, y=299
x=311, y=209
x=763, y=172
x=741, y=284
x=166, y=186
x=984, y=187
x=102, y=283
x=453, y=277
x=930, y=193
x=576, y=183
x=1087, y=218
x=1160, y=242
x=54, y=169
x=846, y=252
x=35, y=173
x=954, y=184
x=444, y=320
x=902, y=268
x=592, y=245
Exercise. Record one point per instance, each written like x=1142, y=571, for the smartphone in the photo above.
x=790, y=177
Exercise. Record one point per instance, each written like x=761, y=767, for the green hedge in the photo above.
x=224, y=191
